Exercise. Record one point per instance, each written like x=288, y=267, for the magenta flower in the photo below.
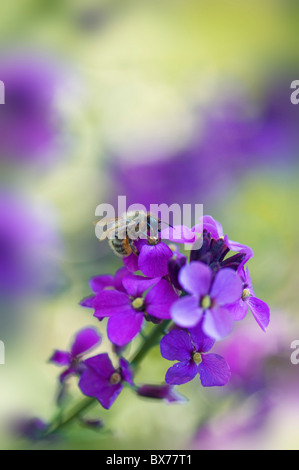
x=127, y=310
x=210, y=299
x=190, y=350
x=259, y=309
x=85, y=340
x=102, y=381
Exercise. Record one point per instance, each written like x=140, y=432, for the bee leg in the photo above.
x=133, y=247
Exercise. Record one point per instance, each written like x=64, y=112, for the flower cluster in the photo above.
x=161, y=296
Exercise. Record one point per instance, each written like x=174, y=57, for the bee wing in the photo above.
x=115, y=226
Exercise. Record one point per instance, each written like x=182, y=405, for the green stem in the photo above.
x=151, y=341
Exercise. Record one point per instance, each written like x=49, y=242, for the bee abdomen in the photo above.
x=120, y=247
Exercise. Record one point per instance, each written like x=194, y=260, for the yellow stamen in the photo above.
x=115, y=378
x=206, y=302
x=197, y=358
x=245, y=294
x=138, y=303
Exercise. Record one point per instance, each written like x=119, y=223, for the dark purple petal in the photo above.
x=238, y=247
x=111, y=302
x=60, y=358
x=218, y=322
x=176, y=346
x=123, y=327
x=88, y=302
x=84, y=341
x=227, y=287
x=260, y=310
x=185, y=311
x=153, y=260
x=98, y=283
x=196, y=278
x=95, y=380
x=131, y=262
x=181, y=373
x=161, y=392
x=101, y=365
x=137, y=285
x=126, y=372
x=201, y=341
x=213, y=371
x=159, y=300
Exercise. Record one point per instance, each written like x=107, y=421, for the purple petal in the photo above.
x=185, y=312
x=238, y=247
x=137, y=285
x=98, y=283
x=153, y=260
x=159, y=300
x=213, y=371
x=211, y=225
x=119, y=277
x=111, y=302
x=84, y=341
x=161, y=392
x=92, y=384
x=196, y=278
x=227, y=287
x=123, y=327
x=126, y=371
x=176, y=346
x=88, y=302
x=181, y=373
x=178, y=234
x=201, y=341
x=218, y=322
x=238, y=310
x=60, y=358
x=260, y=310
x=131, y=262
x=100, y=364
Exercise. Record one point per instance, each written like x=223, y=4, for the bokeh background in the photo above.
x=173, y=101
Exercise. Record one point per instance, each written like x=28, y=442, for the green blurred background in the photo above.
x=134, y=82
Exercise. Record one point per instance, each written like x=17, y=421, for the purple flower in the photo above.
x=175, y=264
x=260, y=310
x=190, y=350
x=27, y=129
x=85, y=340
x=210, y=299
x=102, y=282
x=127, y=310
x=102, y=381
x=164, y=392
x=216, y=246
x=30, y=428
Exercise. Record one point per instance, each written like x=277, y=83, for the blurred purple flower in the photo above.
x=164, y=392
x=102, y=381
x=27, y=121
x=27, y=240
x=85, y=341
x=191, y=352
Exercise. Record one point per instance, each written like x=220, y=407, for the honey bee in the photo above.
x=123, y=231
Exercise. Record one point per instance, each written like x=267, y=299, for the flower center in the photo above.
x=245, y=294
x=115, y=378
x=206, y=302
x=138, y=303
x=172, y=247
x=197, y=358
